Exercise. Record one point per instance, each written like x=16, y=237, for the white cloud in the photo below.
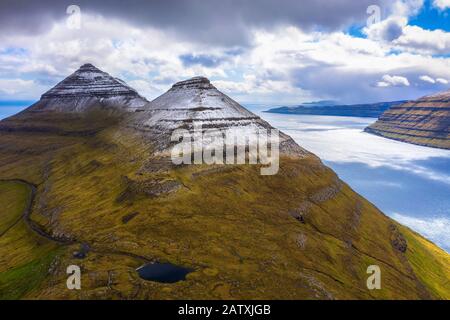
x=441, y=4
x=416, y=39
x=145, y=87
x=407, y=8
x=13, y=88
x=427, y=79
x=394, y=30
x=348, y=73
x=212, y=22
x=386, y=30
x=435, y=229
x=383, y=84
x=121, y=49
x=396, y=81
x=391, y=27
x=282, y=65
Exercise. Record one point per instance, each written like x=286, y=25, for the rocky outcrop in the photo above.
x=147, y=188
x=425, y=121
x=398, y=241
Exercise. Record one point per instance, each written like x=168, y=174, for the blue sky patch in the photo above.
x=431, y=18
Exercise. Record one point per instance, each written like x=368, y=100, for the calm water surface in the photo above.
x=8, y=110
x=163, y=272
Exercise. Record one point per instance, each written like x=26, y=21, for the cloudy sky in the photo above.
x=257, y=51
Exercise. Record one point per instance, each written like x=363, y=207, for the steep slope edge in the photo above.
x=425, y=121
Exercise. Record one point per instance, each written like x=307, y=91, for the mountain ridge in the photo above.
x=300, y=234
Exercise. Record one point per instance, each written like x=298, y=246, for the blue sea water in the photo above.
x=9, y=108
x=407, y=182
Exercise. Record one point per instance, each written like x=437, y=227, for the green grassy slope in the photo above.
x=300, y=234
x=25, y=257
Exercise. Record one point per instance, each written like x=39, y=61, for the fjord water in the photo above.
x=407, y=182
x=9, y=108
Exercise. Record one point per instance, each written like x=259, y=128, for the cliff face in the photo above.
x=109, y=204
x=425, y=121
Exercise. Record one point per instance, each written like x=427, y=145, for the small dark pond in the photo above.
x=163, y=272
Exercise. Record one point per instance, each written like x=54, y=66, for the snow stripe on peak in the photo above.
x=89, y=81
x=196, y=101
x=88, y=88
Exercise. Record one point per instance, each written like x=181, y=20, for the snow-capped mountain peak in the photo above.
x=196, y=102
x=88, y=87
x=195, y=99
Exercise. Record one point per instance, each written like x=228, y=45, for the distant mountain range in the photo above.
x=425, y=121
x=327, y=108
